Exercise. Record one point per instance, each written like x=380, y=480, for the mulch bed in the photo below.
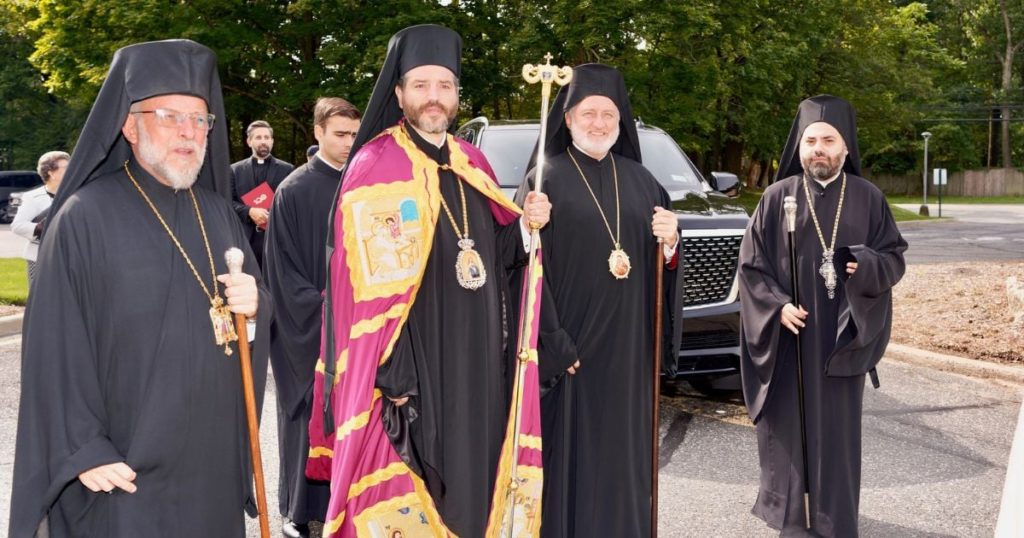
x=959, y=309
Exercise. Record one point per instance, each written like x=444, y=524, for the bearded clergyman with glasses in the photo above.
x=131, y=420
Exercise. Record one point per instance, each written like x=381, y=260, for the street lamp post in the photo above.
x=924, y=206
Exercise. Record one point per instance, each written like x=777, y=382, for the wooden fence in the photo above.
x=974, y=183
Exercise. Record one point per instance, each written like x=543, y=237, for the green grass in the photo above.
x=13, y=281
x=933, y=199
x=901, y=214
x=749, y=198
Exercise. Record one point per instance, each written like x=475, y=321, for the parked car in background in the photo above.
x=712, y=227
x=11, y=182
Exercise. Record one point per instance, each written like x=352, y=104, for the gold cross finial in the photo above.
x=547, y=74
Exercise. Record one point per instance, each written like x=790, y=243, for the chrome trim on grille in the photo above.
x=721, y=240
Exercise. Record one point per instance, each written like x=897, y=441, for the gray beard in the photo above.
x=591, y=147
x=150, y=155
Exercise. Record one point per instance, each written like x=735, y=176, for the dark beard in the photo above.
x=822, y=171
x=262, y=152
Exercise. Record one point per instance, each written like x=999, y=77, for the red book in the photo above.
x=260, y=197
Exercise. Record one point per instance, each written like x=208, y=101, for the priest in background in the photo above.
x=247, y=174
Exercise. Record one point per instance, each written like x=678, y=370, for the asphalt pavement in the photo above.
x=967, y=232
x=935, y=452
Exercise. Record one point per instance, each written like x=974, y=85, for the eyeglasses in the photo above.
x=172, y=118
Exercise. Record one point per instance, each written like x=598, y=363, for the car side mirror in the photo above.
x=726, y=183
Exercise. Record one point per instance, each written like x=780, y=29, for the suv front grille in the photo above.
x=708, y=340
x=709, y=265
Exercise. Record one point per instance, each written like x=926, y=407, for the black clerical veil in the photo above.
x=835, y=111
x=588, y=80
x=412, y=47
x=141, y=71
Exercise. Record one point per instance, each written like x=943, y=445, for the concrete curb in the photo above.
x=10, y=325
x=958, y=365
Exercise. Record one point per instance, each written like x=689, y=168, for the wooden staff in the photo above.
x=789, y=206
x=233, y=258
x=659, y=272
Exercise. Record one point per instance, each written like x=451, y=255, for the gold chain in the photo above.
x=465, y=211
x=618, y=219
x=216, y=289
x=814, y=215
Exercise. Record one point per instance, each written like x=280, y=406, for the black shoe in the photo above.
x=672, y=388
x=290, y=529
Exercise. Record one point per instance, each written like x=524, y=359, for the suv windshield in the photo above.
x=668, y=163
x=508, y=150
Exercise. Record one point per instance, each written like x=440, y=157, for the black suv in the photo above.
x=712, y=228
x=10, y=183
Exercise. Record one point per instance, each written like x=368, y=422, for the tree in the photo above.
x=1006, y=57
x=723, y=78
x=32, y=120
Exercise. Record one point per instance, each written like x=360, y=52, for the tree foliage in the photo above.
x=32, y=120
x=723, y=77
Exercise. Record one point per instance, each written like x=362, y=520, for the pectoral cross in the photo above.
x=828, y=272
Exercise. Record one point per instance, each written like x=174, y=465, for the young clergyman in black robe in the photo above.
x=296, y=273
x=131, y=420
x=444, y=380
x=596, y=341
x=843, y=323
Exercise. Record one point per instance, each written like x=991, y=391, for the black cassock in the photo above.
x=295, y=271
x=597, y=423
x=119, y=363
x=246, y=175
x=450, y=358
x=845, y=337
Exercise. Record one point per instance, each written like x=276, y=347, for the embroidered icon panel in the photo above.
x=402, y=517
x=386, y=230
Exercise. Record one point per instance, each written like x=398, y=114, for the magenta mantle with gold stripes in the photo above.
x=384, y=222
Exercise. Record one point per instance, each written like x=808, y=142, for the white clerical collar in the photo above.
x=575, y=145
x=259, y=160
x=325, y=161
x=829, y=180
